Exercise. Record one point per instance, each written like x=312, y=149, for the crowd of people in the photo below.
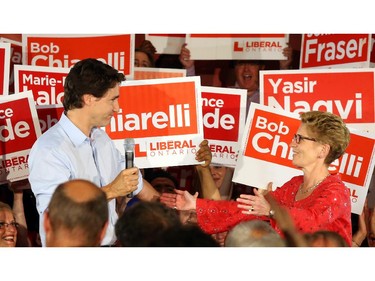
x=81, y=187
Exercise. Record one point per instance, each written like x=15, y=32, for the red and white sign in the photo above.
x=372, y=54
x=348, y=93
x=49, y=115
x=224, y=115
x=167, y=43
x=265, y=155
x=4, y=68
x=164, y=118
x=46, y=83
x=141, y=73
x=237, y=46
x=19, y=129
x=335, y=51
x=47, y=86
x=15, y=58
x=65, y=50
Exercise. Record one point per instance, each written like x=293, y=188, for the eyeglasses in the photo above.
x=13, y=224
x=297, y=138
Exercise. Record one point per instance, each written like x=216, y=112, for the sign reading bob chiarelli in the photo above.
x=224, y=114
x=164, y=116
x=65, y=50
x=266, y=156
x=335, y=51
x=348, y=93
x=19, y=129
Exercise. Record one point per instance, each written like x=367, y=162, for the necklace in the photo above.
x=307, y=190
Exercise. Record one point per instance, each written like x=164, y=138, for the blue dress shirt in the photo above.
x=63, y=153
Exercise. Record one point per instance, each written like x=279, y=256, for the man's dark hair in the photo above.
x=89, y=76
x=187, y=235
x=143, y=221
x=160, y=173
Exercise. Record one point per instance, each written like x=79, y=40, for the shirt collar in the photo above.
x=73, y=132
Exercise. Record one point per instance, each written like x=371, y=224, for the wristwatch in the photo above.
x=272, y=213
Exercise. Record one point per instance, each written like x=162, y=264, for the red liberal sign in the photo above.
x=335, y=50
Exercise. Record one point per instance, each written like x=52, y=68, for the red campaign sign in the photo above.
x=347, y=93
x=323, y=50
x=353, y=165
x=372, y=56
x=62, y=51
x=221, y=115
x=49, y=116
x=155, y=110
x=15, y=58
x=17, y=130
x=270, y=141
x=2, y=70
x=270, y=138
x=46, y=83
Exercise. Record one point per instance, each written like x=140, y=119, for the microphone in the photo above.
x=129, y=156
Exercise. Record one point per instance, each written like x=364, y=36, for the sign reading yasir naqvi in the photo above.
x=19, y=129
x=265, y=155
x=47, y=86
x=66, y=50
x=164, y=118
x=348, y=93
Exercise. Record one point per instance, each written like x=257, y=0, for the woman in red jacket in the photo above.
x=316, y=200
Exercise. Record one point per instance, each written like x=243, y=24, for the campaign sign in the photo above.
x=266, y=156
x=65, y=50
x=164, y=118
x=237, y=46
x=4, y=68
x=49, y=115
x=224, y=114
x=348, y=93
x=372, y=55
x=15, y=58
x=356, y=167
x=46, y=83
x=47, y=86
x=335, y=51
x=141, y=73
x=167, y=43
x=19, y=129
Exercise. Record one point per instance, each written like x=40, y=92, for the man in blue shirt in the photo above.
x=77, y=148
